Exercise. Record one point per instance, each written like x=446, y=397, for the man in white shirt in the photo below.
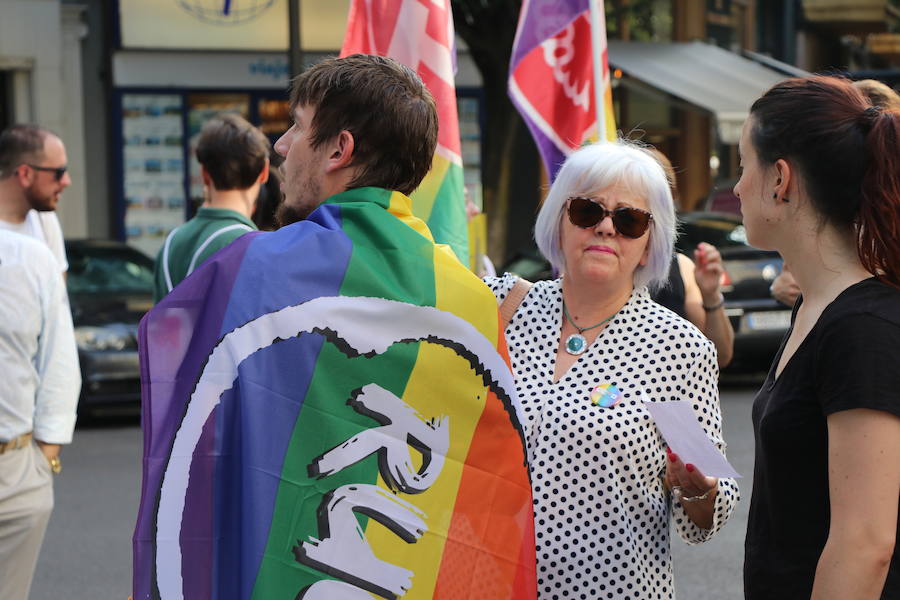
x=32, y=177
x=39, y=386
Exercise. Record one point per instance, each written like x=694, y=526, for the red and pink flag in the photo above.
x=419, y=34
x=551, y=77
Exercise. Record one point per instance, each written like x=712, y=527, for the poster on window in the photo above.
x=153, y=165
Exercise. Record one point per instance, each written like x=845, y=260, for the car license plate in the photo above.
x=773, y=319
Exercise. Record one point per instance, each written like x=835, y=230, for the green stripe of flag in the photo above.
x=375, y=269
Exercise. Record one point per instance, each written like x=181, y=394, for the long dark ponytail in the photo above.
x=879, y=211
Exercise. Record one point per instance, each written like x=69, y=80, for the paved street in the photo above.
x=713, y=571
x=87, y=553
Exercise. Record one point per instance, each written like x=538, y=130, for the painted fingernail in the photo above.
x=689, y=467
x=673, y=457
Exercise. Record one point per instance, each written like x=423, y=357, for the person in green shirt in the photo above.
x=234, y=161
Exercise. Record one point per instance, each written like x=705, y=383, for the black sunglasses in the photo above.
x=630, y=222
x=58, y=172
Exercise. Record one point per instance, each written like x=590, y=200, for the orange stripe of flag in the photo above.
x=493, y=512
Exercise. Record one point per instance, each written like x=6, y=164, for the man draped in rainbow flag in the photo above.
x=328, y=409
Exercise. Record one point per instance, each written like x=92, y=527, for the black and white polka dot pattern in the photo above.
x=601, y=510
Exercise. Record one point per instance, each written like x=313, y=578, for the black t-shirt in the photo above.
x=672, y=296
x=850, y=359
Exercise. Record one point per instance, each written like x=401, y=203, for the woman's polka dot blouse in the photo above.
x=600, y=507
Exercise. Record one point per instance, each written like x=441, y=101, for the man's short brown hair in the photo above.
x=21, y=144
x=233, y=151
x=384, y=105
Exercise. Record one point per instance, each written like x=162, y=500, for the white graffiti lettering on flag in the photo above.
x=331, y=589
x=343, y=550
x=559, y=51
x=346, y=554
x=401, y=427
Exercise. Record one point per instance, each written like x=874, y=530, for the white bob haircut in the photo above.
x=596, y=167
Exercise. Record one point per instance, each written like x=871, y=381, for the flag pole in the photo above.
x=295, y=49
x=598, y=34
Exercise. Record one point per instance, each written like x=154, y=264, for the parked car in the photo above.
x=110, y=288
x=721, y=198
x=759, y=320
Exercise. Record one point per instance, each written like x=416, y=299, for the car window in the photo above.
x=720, y=233
x=532, y=267
x=109, y=271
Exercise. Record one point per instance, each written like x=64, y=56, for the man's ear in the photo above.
x=340, y=152
x=22, y=174
x=204, y=175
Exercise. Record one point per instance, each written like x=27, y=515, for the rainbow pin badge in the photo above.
x=605, y=395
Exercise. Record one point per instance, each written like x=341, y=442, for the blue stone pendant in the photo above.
x=576, y=344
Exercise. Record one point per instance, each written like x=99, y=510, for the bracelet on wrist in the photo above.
x=679, y=495
x=717, y=305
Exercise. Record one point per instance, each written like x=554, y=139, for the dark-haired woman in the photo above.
x=821, y=184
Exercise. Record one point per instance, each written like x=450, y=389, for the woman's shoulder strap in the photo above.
x=513, y=299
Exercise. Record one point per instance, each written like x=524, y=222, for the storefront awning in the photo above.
x=714, y=79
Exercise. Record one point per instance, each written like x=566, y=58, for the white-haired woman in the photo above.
x=586, y=350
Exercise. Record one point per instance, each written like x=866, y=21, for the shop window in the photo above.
x=646, y=114
x=648, y=110
x=720, y=23
x=153, y=168
x=274, y=117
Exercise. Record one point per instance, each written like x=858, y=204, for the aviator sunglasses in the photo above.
x=630, y=222
x=58, y=172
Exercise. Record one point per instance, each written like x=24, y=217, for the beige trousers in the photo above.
x=26, y=500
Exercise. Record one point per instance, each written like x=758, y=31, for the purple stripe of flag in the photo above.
x=540, y=20
x=314, y=254
x=160, y=367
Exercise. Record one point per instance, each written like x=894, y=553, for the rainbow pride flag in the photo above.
x=419, y=34
x=328, y=412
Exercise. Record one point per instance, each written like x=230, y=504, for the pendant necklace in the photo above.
x=576, y=343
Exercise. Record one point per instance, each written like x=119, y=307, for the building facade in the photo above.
x=166, y=67
x=41, y=82
x=128, y=83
